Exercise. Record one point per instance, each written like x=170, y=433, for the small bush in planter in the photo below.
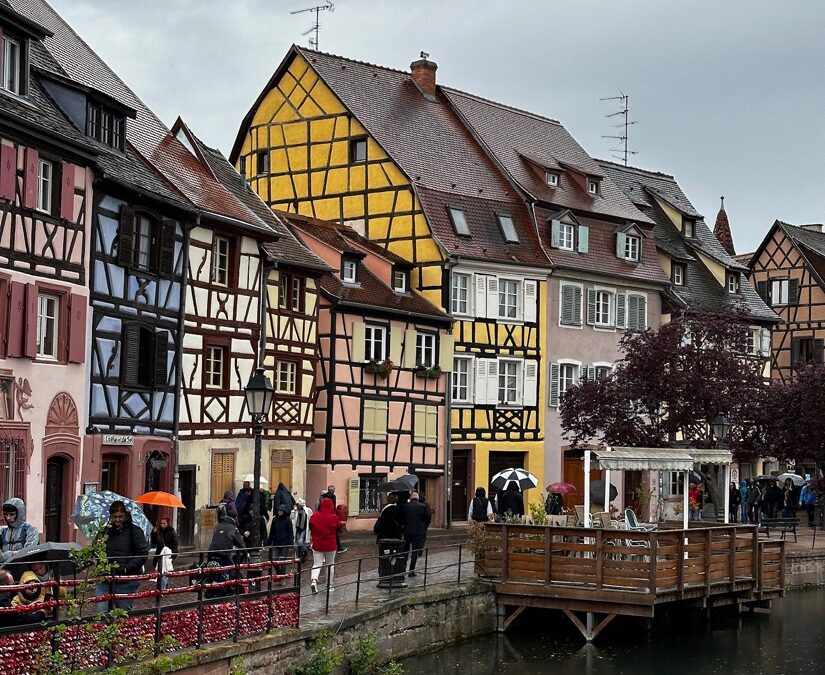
x=432, y=372
x=380, y=369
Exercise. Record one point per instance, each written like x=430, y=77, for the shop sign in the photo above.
x=118, y=439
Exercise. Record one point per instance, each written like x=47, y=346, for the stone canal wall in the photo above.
x=804, y=569
x=403, y=626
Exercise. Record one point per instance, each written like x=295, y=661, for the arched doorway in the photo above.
x=61, y=462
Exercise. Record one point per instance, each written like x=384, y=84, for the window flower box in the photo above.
x=380, y=369
x=433, y=372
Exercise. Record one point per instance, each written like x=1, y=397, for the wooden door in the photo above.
x=574, y=474
x=633, y=492
x=53, y=515
x=460, y=496
x=223, y=474
x=186, y=517
x=500, y=461
x=280, y=468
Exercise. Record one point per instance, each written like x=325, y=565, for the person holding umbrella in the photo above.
x=511, y=501
x=127, y=549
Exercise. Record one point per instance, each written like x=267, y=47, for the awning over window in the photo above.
x=644, y=459
x=710, y=456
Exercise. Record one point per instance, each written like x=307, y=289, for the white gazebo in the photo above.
x=653, y=459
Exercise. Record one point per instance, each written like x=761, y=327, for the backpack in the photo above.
x=480, y=509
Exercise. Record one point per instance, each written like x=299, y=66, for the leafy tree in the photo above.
x=670, y=385
x=792, y=415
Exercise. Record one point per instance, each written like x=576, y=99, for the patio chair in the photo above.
x=632, y=523
x=580, y=522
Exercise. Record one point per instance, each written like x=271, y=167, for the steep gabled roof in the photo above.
x=433, y=148
x=513, y=135
x=702, y=291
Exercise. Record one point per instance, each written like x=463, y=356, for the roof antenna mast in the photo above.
x=327, y=6
x=625, y=111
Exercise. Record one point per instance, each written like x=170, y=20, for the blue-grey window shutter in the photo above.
x=567, y=304
x=591, y=306
x=554, y=385
x=577, y=305
x=621, y=314
x=620, y=244
x=584, y=238
x=633, y=312
x=554, y=233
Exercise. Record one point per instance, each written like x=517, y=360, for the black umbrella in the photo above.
x=597, y=492
x=50, y=552
x=695, y=478
x=397, y=485
x=410, y=480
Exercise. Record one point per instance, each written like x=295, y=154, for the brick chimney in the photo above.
x=423, y=74
x=812, y=227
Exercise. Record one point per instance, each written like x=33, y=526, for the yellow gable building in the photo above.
x=384, y=152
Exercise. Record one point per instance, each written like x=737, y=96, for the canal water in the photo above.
x=788, y=639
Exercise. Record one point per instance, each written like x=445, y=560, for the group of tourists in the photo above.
x=509, y=502
x=751, y=503
x=404, y=518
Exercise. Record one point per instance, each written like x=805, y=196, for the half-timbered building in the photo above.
x=236, y=243
x=385, y=357
x=45, y=214
x=788, y=271
x=382, y=151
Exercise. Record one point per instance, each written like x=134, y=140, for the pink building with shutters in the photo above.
x=45, y=203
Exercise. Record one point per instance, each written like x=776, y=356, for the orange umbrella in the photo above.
x=159, y=498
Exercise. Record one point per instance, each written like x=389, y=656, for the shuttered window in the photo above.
x=280, y=467
x=570, y=312
x=636, y=312
x=462, y=379
x=145, y=359
x=425, y=424
x=563, y=375
x=509, y=381
x=223, y=474
x=145, y=242
x=374, y=422
x=460, y=294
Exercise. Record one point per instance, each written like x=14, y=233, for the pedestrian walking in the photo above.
x=734, y=500
x=788, y=499
x=281, y=536
x=323, y=526
x=416, y=517
x=300, y=523
x=743, y=501
x=753, y=496
x=229, y=505
x=164, y=536
x=481, y=508
x=511, y=501
x=17, y=533
x=807, y=499
x=128, y=550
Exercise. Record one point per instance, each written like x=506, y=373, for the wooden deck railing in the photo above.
x=664, y=563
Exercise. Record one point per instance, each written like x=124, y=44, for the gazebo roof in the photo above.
x=659, y=459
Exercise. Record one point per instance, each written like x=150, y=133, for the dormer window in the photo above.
x=689, y=227
x=733, y=283
x=459, y=221
x=358, y=150
x=592, y=186
x=678, y=274
x=400, y=281
x=12, y=55
x=567, y=236
x=105, y=125
x=349, y=271
x=552, y=178
x=508, y=228
x=628, y=246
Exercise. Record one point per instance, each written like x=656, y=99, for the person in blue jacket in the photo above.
x=743, y=489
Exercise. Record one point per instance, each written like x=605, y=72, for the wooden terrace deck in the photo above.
x=618, y=572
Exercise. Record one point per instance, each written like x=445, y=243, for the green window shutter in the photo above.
x=358, y=348
x=591, y=307
x=642, y=313
x=554, y=385
x=621, y=310
x=584, y=238
x=633, y=312
x=555, y=225
x=577, y=305
x=620, y=244
x=567, y=293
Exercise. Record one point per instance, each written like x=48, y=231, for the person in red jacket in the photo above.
x=324, y=525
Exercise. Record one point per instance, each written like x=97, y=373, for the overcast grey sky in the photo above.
x=728, y=94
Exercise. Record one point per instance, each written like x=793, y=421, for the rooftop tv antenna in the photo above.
x=327, y=6
x=625, y=111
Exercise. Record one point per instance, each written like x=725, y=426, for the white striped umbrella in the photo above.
x=521, y=478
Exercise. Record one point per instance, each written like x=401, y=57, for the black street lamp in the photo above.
x=259, y=393
x=720, y=427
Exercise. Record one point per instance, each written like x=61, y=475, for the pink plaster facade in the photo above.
x=43, y=404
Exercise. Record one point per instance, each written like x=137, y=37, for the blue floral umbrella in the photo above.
x=91, y=512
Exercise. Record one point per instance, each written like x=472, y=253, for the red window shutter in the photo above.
x=30, y=331
x=16, y=319
x=30, y=178
x=77, y=328
x=67, y=191
x=8, y=172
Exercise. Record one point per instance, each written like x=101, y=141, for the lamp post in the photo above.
x=259, y=393
x=720, y=427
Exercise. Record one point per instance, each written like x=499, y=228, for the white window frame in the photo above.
x=505, y=295
x=349, y=271
x=577, y=375
x=459, y=305
x=11, y=66
x=552, y=178
x=733, y=283
x=604, y=300
x=602, y=365
x=675, y=482
x=678, y=274
x=507, y=382
x=632, y=247
x=592, y=186
x=781, y=289
x=399, y=281
x=45, y=185
x=456, y=384
x=214, y=366
x=425, y=349
x=689, y=228
x=375, y=336
x=286, y=377
x=567, y=232
x=220, y=261
x=48, y=315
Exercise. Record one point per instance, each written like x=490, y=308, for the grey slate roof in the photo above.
x=702, y=291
